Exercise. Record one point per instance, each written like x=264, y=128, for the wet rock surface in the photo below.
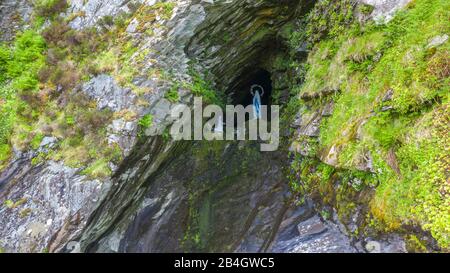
x=314, y=236
x=40, y=201
x=226, y=198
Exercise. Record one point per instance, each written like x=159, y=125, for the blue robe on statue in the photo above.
x=257, y=105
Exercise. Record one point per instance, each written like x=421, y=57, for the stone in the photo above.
x=386, y=108
x=373, y=247
x=14, y=15
x=54, y=193
x=330, y=156
x=298, y=120
x=48, y=142
x=104, y=90
x=310, y=124
x=389, y=95
x=94, y=10
x=123, y=133
x=312, y=226
x=384, y=10
x=390, y=244
x=132, y=26
x=328, y=109
x=315, y=236
x=438, y=41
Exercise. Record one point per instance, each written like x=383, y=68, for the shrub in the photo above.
x=5, y=152
x=49, y=8
x=27, y=57
x=54, y=34
x=66, y=75
x=329, y=18
x=5, y=57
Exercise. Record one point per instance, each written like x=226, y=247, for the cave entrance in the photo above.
x=241, y=92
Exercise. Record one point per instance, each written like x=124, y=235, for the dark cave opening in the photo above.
x=258, y=78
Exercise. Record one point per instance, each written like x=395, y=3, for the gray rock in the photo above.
x=50, y=197
x=386, y=108
x=310, y=125
x=108, y=94
x=48, y=142
x=391, y=244
x=384, y=10
x=316, y=236
x=161, y=117
x=123, y=133
x=133, y=25
x=93, y=10
x=14, y=15
x=328, y=109
x=388, y=96
x=437, y=41
x=312, y=226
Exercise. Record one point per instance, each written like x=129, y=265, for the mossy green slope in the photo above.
x=390, y=89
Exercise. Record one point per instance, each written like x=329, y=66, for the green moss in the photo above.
x=172, y=95
x=415, y=245
x=19, y=64
x=70, y=120
x=25, y=212
x=22, y=61
x=165, y=8
x=146, y=121
x=36, y=141
x=8, y=203
x=98, y=169
x=5, y=153
x=329, y=18
x=5, y=57
x=202, y=88
x=366, y=9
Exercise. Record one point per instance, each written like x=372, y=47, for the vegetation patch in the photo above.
x=390, y=91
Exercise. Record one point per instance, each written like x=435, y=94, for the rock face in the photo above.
x=171, y=196
x=108, y=94
x=94, y=10
x=191, y=204
x=45, y=204
x=13, y=15
x=240, y=35
x=314, y=235
x=384, y=10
